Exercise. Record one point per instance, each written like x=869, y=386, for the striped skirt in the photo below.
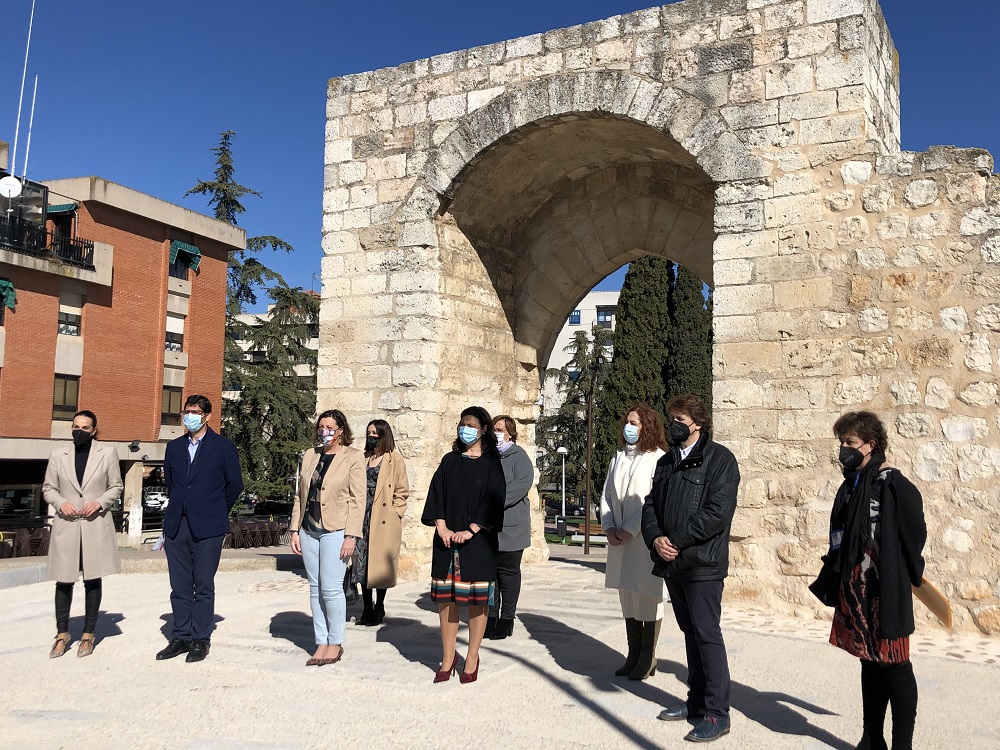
x=454, y=589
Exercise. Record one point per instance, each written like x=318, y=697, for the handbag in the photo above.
x=351, y=593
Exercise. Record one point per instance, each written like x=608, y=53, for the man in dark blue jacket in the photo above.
x=685, y=522
x=202, y=473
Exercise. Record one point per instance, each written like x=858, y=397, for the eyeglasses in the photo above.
x=192, y=411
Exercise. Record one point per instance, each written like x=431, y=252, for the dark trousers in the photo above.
x=192, y=564
x=64, y=599
x=883, y=685
x=508, y=587
x=698, y=609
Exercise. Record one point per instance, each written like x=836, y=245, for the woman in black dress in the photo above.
x=465, y=505
x=877, y=535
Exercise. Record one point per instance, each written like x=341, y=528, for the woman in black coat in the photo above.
x=877, y=535
x=465, y=505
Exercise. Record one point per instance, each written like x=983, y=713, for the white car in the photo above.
x=156, y=500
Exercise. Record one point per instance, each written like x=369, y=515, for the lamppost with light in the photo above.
x=562, y=453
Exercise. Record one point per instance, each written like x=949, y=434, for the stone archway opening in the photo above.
x=557, y=205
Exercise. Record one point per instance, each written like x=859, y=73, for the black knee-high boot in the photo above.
x=378, y=613
x=368, y=612
x=874, y=701
x=902, y=689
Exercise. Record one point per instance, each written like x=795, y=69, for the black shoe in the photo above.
x=505, y=628
x=709, y=729
x=491, y=628
x=199, y=650
x=176, y=647
x=674, y=713
x=378, y=614
x=365, y=619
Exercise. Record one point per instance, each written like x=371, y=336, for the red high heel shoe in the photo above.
x=445, y=675
x=466, y=677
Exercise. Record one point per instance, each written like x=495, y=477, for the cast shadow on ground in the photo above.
x=296, y=628
x=107, y=625
x=584, y=655
x=416, y=642
x=168, y=623
x=598, y=565
x=769, y=709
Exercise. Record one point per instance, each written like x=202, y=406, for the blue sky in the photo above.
x=138, y=92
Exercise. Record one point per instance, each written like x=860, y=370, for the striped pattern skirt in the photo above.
x=454, y=589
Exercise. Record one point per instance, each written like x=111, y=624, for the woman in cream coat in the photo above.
x=82, y=482
x=376, y=556
x=325, y=525
x=630, y=479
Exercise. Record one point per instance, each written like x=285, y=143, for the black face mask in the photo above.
x=82, y=438
x=370, y=443
x=850, y=458
x=679, y=432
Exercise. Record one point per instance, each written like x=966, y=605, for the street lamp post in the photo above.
x=562, y=453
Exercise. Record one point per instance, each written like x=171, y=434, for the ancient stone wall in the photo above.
x=474, y=197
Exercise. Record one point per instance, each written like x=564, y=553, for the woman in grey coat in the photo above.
x=515, y=537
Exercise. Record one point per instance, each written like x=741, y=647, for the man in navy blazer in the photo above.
x=202, y=473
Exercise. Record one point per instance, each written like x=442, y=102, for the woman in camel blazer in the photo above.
x=376, y=557
x=82, y=482
x=325, y=525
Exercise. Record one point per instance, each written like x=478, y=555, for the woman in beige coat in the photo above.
x=82, y=482
x=630, y=479
x=325, y=526
x=377, y=554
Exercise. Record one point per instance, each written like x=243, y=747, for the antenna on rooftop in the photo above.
x=31, y=123
x=10, y=186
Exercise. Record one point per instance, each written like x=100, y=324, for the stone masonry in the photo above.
x=472, y=198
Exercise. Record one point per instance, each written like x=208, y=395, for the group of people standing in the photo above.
x=666, y=510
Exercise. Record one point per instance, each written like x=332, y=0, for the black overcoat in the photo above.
x=465, y=491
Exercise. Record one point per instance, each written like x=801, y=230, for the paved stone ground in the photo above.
x=549, y=686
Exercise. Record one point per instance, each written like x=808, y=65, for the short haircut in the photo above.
x=508, y=424
x=691, y=406
x=489, y=438
x=347, y=437
x=89, y=415
x=651, y=436
x=865, y=425
x=386, y=442
x=200, y=401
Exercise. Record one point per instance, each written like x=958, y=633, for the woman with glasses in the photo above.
x=326, y=522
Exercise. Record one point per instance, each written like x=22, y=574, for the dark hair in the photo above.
x=508, y=424
x=691, y=406
x=651, y=436
x=200, y=401
x=89, y=415
x=865, y=425
x=346, y=437
x=489, y=438
x=386, y=443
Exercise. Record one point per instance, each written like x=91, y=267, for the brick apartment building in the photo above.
x=120, y=309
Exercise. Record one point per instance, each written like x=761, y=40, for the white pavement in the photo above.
x=549, y=686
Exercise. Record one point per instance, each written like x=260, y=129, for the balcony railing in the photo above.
x=29, y=238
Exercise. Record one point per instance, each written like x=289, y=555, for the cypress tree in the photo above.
x=689, y=367
x=640, y=353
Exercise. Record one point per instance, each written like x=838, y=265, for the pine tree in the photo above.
x=689, y=366
x=567, y=427
x=640, y=352
x=270, y=420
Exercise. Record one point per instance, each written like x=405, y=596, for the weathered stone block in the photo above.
x=743, y=300
x=813, y=357
x=737, y=394
x=858, y=389
x=820, y=11
x=877, y=353
x=981, y=394
x=845, y=127
x=841, y=69
x=853, y=229
x=807, y=293
x=839, y=201
x=811, y=40
x=856, y=172
x=914, y=425
x=904, y=393
x=893, y=227
x=911, y=319
x=735, y=360
x=739, y=217
x=921, y=193
x=935, y=462
x=930, y=353
x=787, y=79
x=792, y=209
x=792, y=393
x=978, y=352
x=990, y=250
x=878, y=198
x=939, y=394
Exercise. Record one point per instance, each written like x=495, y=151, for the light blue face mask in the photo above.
x=192, y=422
x=468, y=435
x=631, y=433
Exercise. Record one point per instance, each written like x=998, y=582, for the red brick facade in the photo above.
x=122, y=328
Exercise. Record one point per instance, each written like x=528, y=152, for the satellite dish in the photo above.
x=10, y=186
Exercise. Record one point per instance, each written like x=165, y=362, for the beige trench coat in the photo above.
x=94, y=536
x=386, y=529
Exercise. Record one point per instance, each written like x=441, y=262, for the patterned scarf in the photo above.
x=851, y=512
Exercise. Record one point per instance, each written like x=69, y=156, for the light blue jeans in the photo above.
x=325, y=570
